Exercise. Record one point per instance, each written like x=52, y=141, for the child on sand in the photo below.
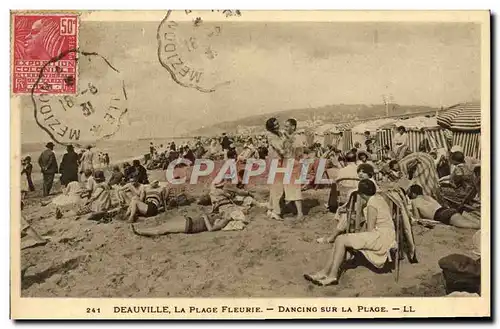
x=426, y=207
x=27, y=169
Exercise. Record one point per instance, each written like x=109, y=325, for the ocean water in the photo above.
x=118, y=151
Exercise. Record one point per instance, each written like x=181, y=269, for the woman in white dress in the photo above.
x=375, y=243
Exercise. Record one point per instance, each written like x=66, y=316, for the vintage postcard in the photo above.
x=233, y=164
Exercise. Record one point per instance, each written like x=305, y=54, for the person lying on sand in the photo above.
x=226, y=197
x=375, y=243
x=230, y=205
x=151, y=201
x=188, y=225
x=426, y=207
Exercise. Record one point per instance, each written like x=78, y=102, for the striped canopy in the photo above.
x=464, y=117
x=344, y=126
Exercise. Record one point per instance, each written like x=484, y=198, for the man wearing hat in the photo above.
x=48, y=166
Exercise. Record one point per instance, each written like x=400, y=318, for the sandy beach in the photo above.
x=267, y=259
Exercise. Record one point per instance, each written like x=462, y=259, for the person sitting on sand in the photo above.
x=129, y=191
x=116, y=176
x=128, y=171
x=141, y=172
x=367, y=171
x=73, y=194
x=394, y=173
x=96, y=201
x=89, y=181
x=462, y=175
x=226, y=215
x=388, y=154
x=150, y=202
x=176, y=195
x=426, y=207
x=100, y=196
x=375, y=243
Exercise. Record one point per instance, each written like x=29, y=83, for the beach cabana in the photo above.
x=345, y=136
x=372, y=125
x=418, y=129
x=324, y=134
x=309, y=137
x=464, y=120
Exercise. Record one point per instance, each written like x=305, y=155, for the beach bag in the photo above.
x=461, y=273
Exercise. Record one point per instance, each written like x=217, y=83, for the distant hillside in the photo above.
x=326, y=114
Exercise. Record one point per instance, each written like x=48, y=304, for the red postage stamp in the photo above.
x=37, y=40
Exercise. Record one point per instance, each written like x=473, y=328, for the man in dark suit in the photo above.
x=49, y=167
x=226, y=142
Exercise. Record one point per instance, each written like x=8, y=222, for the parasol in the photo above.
x=465, y=117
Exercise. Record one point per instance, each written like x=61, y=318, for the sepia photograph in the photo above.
x=320, y=157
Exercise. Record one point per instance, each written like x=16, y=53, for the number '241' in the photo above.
x=93, y=310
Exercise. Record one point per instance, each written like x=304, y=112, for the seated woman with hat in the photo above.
x=99, y=200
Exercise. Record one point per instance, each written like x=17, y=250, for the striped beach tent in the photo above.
x=424, y=174
x=309, y=138
x=336, y=140
x=470, y=142
x=464, y=120
x=347, y=138
x=347, y=143
x=464, y=117
x=327, y=139
x=384, y=137
x=435, y=136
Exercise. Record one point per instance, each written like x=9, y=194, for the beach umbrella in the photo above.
x=465, y=117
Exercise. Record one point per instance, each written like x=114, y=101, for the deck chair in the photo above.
x=396, y=253
x=333, y=198
x=463, y=204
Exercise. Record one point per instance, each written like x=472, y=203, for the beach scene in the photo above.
x=388, y=114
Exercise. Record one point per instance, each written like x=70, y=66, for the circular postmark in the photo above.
x=191, y=52
x=93, y=113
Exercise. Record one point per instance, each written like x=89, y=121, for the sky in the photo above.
x=278, y=66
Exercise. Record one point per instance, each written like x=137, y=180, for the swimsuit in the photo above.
x=444, y=215
x=153, y=200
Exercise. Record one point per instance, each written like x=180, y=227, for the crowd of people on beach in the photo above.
x=431, y=186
